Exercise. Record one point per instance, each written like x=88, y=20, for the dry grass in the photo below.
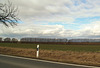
x=87, y=58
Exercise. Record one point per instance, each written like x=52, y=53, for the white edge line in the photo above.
x=49, y=61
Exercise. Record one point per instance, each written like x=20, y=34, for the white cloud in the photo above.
x=56, y=10
x=45, y=8
x=91, y=30
x=65, y=11
x=32, y=31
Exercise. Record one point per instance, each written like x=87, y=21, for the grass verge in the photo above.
x=86, y=58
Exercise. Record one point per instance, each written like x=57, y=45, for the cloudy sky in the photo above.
x=55, y=19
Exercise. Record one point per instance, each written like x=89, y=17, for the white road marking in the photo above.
x=49, y=61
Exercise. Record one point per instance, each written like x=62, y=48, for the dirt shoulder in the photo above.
x=86, y=58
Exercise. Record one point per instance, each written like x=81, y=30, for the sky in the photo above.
x=55, y=19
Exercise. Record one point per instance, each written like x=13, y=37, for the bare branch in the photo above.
x=8, y=14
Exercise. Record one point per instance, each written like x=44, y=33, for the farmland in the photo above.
x=79, y=48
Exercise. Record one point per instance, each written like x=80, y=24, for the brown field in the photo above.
x=86, y=58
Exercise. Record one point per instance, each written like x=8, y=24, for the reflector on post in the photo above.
x=37, y=51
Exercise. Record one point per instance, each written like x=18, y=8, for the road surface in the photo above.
x=20, y=62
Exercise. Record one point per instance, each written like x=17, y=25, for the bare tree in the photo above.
x=8, y=14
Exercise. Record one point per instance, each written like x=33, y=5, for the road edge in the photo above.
x=49, y=61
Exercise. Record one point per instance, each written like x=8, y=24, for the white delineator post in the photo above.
x=37, y=55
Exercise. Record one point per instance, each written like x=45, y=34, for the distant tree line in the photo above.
x=8, y=40
x=53, y=41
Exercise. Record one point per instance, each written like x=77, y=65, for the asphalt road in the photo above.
x=19, y=62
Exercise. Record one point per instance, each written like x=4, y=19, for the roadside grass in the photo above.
x=85, y=58
x=79, y=48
